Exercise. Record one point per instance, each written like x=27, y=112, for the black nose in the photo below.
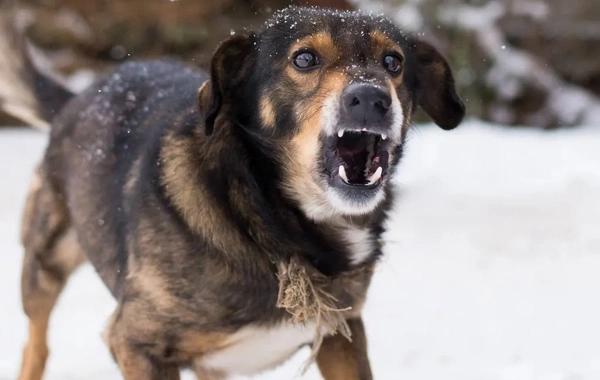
x=366, y=103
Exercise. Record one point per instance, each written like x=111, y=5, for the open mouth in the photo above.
x=361, y=157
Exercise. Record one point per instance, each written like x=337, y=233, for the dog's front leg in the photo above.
x=137, y=366
x=134, y=360
x=341, y=359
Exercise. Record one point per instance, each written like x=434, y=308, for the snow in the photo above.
x=491, y=272
x=513, y=67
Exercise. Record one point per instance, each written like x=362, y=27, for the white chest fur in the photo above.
x=255, y=349
x=360, y=242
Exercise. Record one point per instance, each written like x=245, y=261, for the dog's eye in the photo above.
x=305, y=60
x=392, y=63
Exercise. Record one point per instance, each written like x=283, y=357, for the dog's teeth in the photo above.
x=364, y=129
x=383, y=136
x=375, y=177
x=340, y=133
x=342, y=173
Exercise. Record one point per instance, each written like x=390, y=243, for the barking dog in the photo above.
x=234, y=215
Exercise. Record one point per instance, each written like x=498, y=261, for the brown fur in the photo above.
x=51, y=255
x=187, y=193
x=204, y=374
x=267, y=112
x=383, y=45
x=305, y=145
x=341, y=359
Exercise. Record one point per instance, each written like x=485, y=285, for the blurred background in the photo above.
x=491, y=268
x=517, y=62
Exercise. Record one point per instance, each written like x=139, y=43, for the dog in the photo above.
x=235, y=214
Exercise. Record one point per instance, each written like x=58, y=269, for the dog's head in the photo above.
x=331, y=94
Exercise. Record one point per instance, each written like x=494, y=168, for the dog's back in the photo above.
x=100, y=146
x=96, y=141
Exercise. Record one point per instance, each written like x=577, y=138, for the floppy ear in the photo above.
x=435, y=86
x=229, y=69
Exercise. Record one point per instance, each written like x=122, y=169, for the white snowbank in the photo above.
x=492, y=266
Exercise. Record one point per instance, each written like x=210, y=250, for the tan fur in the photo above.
x=136, y=366
x=39, y=303
x=199, y=343
x=39, y=196
x=191, y=227
x=300, y=170
x=139, y=323
x=204, y=95
x=204, y=374
x=267, y=112
x=51, y=254
x=383, y=45
x=153, y=286
x=128, y=324
x=67, y=251
x=303, y=83
x=340, y=359
x=311, y=118
x=132, y=176
x=323, y=45
x=188, y=194
x=35, y=353
x=28, y=211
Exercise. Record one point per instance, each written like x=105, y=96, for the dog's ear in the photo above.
x=436, y=93
x=229, y=70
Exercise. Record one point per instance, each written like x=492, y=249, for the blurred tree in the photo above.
x=522, y=62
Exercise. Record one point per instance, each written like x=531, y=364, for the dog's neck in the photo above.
x=242, y=206
x=356, y=235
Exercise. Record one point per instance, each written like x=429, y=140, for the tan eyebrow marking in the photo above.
x=382, y=44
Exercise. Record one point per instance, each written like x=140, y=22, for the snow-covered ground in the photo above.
x=492, y=266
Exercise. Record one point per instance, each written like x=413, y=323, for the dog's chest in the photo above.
x=255, y=349
x=360, y=243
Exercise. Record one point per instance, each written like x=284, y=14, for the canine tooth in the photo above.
x=364, y=129
x=375, y=177
x=342, y=173
x=340, y=133
x=383, y=136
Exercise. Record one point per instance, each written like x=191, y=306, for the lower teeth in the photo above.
x=370, y=180
x=375, y=177
x=342, y=173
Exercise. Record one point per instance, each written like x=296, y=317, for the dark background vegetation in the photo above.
x=517, y=62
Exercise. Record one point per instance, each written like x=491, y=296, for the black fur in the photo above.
x=183, y=199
